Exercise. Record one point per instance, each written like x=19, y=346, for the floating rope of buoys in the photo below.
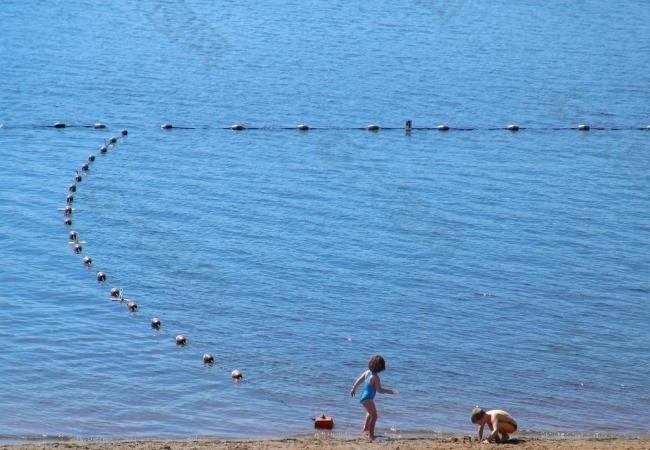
x=372, y=127
x=116, y=293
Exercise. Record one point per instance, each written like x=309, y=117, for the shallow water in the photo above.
x=508, y=270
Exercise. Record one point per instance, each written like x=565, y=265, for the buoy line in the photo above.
x=115, y=293
x=374, y=127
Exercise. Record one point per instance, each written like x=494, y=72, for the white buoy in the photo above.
x=59, y=125
x=373, y=127
x=302, y=127
x=208, y=358
x=133, y=306
x=166, y=126
x=512, y=127
x=155, y=323
x=442, y=127
x=237, y=127
x=99, y=125
x=181, y=340
x=583, y=127
x=236, y=374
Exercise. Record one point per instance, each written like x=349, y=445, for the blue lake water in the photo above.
x=510, y=270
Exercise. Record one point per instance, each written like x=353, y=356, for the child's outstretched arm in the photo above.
x=480, y=431
x=357, y=382
x=380, y=389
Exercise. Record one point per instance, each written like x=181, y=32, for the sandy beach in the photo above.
x=533, y=443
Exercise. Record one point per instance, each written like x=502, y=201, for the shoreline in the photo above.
x=524, y=440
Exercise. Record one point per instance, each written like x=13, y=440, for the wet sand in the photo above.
x=533, y=443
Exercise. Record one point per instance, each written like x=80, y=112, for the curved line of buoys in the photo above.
x=115, y=293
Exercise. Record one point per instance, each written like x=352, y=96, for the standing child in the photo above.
x=371, y=385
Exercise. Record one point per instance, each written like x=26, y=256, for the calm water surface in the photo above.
x=508, y=270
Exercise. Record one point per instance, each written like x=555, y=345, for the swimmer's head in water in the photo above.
x=477, y=414
x=377, y=364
